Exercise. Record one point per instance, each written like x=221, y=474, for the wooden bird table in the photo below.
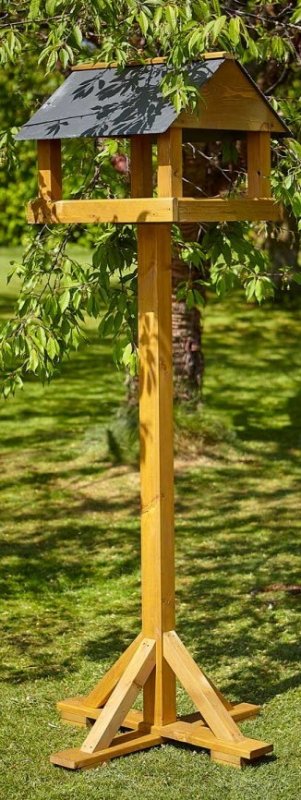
x=157, y=657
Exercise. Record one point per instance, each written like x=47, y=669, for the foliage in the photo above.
x=70, y=584
x=39, y=41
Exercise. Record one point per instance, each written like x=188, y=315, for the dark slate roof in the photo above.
x=108, y=102
x=113, y=102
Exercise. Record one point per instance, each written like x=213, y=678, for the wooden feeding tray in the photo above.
x=99, y=100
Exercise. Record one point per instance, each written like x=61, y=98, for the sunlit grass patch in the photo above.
x=70, y=579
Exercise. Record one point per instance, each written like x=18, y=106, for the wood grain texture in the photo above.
x=141, y=166
x=199, y=689
x=156, y=447
x=220, y=210
x=122, y=698
x=122, y=745
x=101, y=692
x=259, y=164
x=226, y=759
x=77, y=706
x=49, y=170
x=157, y=545
x=203, y=737
x=229, y=101
x=94, y=211
x=170, y=169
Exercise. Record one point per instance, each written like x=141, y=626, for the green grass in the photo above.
x=70, y=560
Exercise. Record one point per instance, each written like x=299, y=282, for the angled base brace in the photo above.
x=212, y=727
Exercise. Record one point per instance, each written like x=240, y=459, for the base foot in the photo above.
x=212, y=727
x=231, y=761
x=122, y=745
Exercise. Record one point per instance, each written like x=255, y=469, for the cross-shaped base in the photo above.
x=108, y=708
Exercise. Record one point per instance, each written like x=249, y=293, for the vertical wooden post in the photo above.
x=170, y=171
x=156, y=424
x=259, y=164
x=156, y=436
x=50, y=170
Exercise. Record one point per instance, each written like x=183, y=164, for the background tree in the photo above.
x=57, y=291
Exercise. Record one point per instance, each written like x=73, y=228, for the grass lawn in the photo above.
x=70, y=560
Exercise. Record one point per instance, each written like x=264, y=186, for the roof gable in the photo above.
x=231, y=99
x=108, y=102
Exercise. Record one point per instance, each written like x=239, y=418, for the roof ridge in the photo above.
x=149, y=61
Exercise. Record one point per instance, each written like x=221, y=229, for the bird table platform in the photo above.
x=100, y=100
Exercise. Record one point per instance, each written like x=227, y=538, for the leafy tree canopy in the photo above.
x=39, y=42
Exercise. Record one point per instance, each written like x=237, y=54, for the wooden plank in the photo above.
x=155, y=410
x=259, y=164
x=229, y=100
x=215, y=209
x=78, y=706
x=170, y=169
x=241, y=711
x=49, y=170
x=101, y=692
x=156, y=60
x=156, y=449
x=226, y=758
x=199, y=689
x=74, y=719
x=141, y=166
x=122, y=698
x=119, y=211
x=218, y=54
x=238, y=712
x=114, y=64
x=204, y=737
x=122, y=745
x=150, y=210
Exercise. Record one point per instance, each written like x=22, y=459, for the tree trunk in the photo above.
x=188, y=358
x=202, y=176
x=186, y=323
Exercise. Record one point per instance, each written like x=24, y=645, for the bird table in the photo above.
x=99, y=100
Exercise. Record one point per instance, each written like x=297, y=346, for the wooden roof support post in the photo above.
x=170, y=170
x=259, y=163
x=50, y=170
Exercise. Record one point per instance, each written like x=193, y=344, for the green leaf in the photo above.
x=33, y=361
x=218, y=26
x=234, y=30
x=51, y=7
x=158, y=16
x=127, y=354
x=77, y=35
x=51, y=348
x=64, y=300
x=216, y=6
x=34, y=8
x=297, y=278
x=143, y=22
x=297, y=15
x=197, y=37
x=171, y=16
x=64, y=58
x=41, y=336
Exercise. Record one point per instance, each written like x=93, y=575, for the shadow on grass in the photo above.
x=70, y=569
